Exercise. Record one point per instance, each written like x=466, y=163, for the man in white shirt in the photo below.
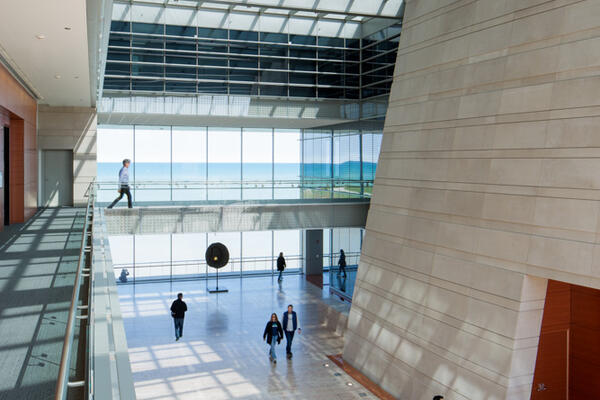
x=123, y=184
x=290, y=325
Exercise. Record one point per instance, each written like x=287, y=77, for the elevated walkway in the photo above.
x=235, y=217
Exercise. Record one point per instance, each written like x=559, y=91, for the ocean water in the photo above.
x=107, y=176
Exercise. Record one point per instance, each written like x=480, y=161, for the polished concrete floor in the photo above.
x=222, y=354
x=38, y=261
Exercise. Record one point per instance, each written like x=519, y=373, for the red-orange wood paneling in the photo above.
x=585, y=344
x=21, y=110
x=569, y=344
x=4, y=121
x=551, y=369
x=17, y=177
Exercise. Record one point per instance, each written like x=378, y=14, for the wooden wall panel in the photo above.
x=30, y=171
x=551, y=368
x=585, y=344
x=17, y=185
x=4, y=121
x=571, y=322
x=16, y=99
x=22, y=111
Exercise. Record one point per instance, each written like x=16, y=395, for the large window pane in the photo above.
x=287, y=163
x=224, y=163
x=256, y=252
x=189, y=164
x=188, y=254
x=152, y=256
x=257, y=157
x=153, y=163
x=115, y=143
x=121, y=252
x=317, y=164
x=288, y=242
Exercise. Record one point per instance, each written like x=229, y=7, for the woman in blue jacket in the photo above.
x=273, y=334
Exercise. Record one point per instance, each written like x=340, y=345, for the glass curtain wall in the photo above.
x=200, y=163
x=224, y=163
x=339, y=164
x=168, y=256
x=188, y=164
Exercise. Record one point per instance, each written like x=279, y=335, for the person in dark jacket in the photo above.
x=273, y=334
x=342, y=263
x=178, y=309
x=280, y=266
x=290, y=325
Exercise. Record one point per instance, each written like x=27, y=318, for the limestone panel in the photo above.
x=487, y=186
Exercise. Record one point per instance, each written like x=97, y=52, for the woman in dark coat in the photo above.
x=342, y=263
x=273, y=335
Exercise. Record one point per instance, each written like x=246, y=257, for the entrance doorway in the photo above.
x=58, y=178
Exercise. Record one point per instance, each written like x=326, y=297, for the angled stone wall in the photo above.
x=487, y=185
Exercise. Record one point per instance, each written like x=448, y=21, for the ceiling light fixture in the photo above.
x=67, y=28
x=40, y=36
x=57, y=76
x=76, y=77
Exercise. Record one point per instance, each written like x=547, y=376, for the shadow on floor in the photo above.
x=38, y=261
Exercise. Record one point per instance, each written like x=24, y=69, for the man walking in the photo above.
x=123, y=184
x=290, y=324
x=280, y=266
x=178, y=309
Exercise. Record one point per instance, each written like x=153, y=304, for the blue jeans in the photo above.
x=272, y=350
x=280, y=275
x=178, y=327
x=289, y=336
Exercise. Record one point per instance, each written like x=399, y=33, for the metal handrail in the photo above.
x=63, y=375
x=269, y=182
x=200, y=261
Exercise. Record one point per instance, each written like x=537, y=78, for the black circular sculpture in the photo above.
x=217, y=256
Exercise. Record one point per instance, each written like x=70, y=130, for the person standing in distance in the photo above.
x=123, y=184
x=280, y=266
x=178, y=309
x=342, y=263
x=290, y=325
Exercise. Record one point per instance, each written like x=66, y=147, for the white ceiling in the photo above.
x=62, y=53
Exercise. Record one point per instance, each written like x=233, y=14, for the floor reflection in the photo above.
x=222, y=354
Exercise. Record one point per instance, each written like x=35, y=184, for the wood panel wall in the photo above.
x=22, y=119
x=568, y=361
x=4, y=121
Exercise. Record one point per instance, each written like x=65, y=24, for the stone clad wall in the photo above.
x=72, y=128
x=487, y=185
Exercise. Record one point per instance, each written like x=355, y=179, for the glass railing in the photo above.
x=207, y=192
x=79, y=310
x=237, y=267
x=198, y=269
